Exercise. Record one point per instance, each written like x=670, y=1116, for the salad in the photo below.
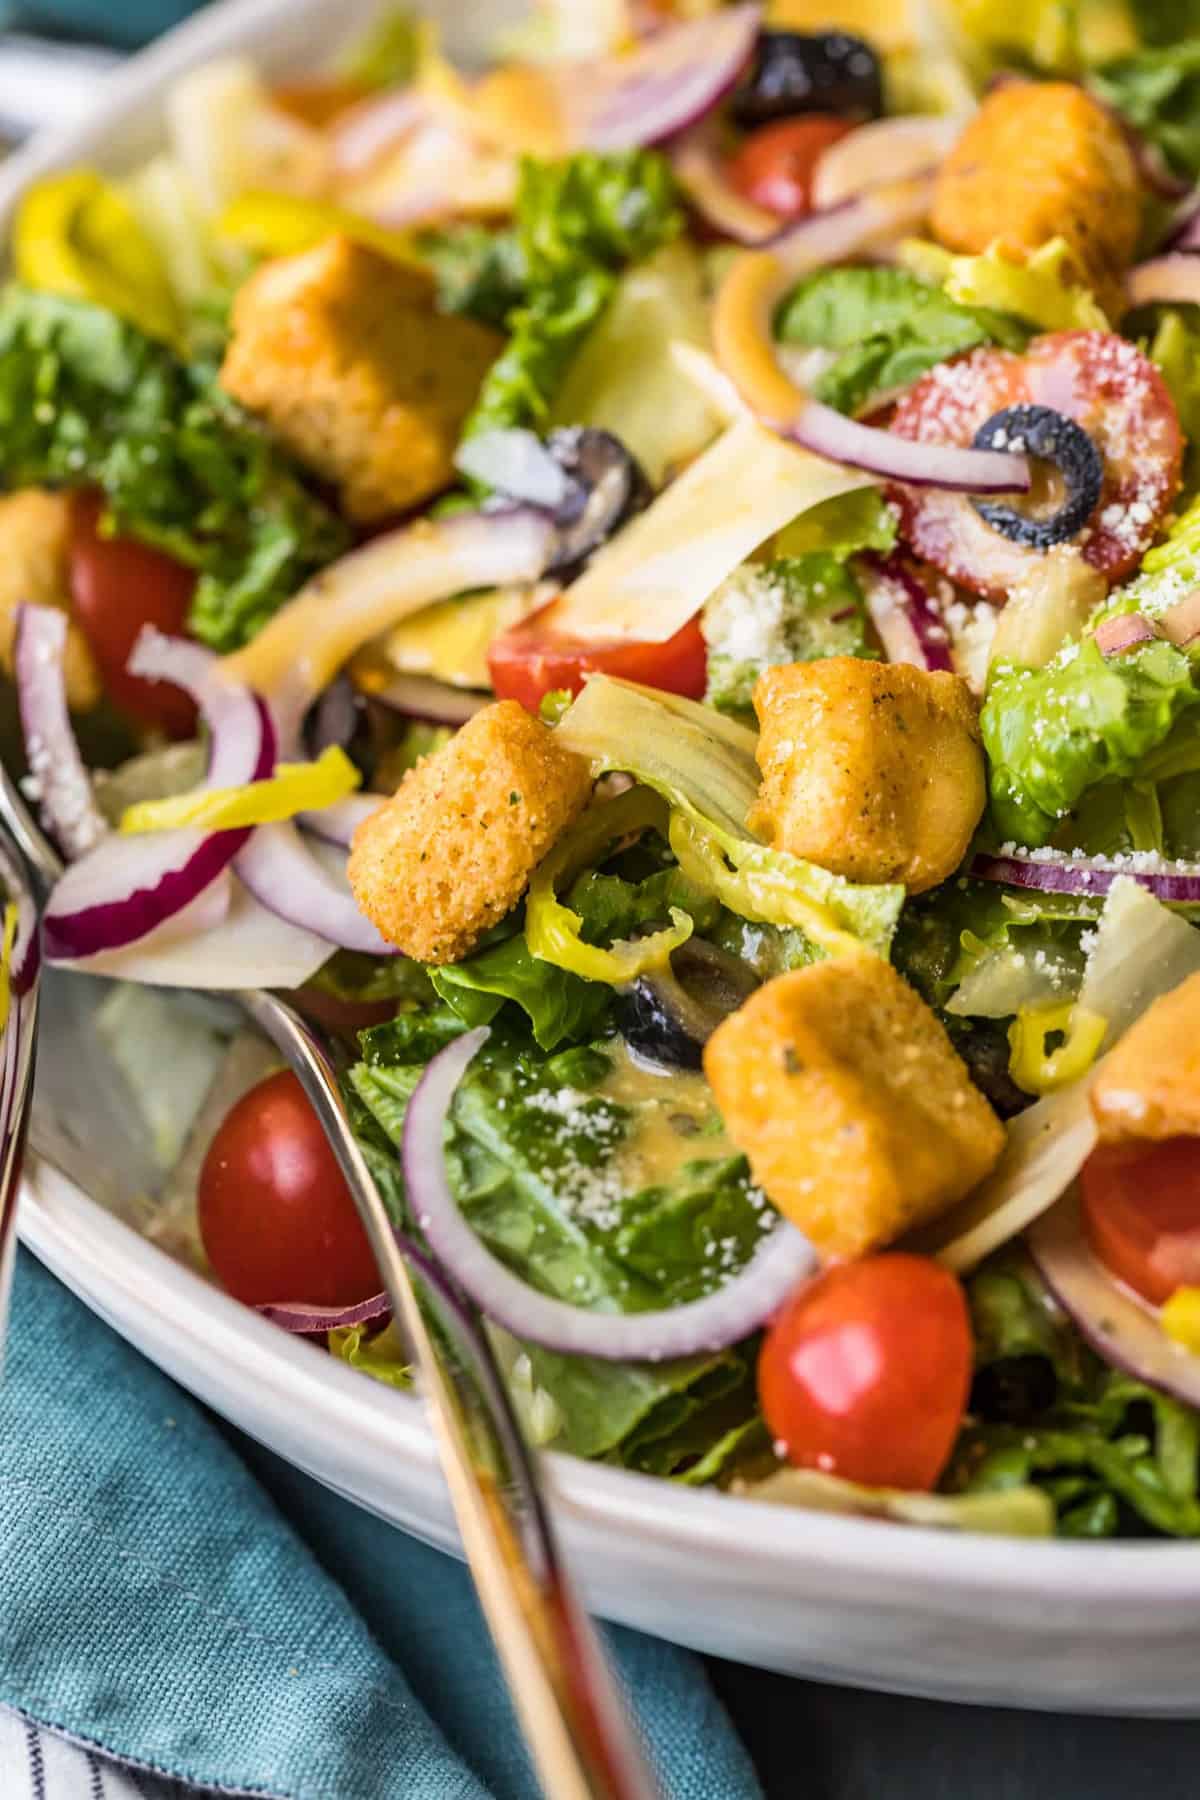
x=653, y=587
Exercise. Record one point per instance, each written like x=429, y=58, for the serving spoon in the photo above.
x=580, y=1737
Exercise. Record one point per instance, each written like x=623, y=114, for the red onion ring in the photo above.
x=1121, y=1328
x=903, y=613
x=338, y=824
x=434, y=702
x=364, y=134
x=307, y=1320
x=283, y=875
x=67, y=803
x=700, y=172
x=1173, y=279
x=1054, y=872
x=743, y=320
x=128, y=886
x=1115, y=636
x=731, y=1314
x=665, y=84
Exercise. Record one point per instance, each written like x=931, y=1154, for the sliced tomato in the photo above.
x=775, y=165
x=1141, y=1213
x=275, y=1215
x=1107, y=386
x=117, y=586
x=531, y=660
x=865, y=1372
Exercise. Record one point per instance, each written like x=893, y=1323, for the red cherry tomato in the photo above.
x=117, y=586
x=775, y=165
x=530, y=661
x=1096, y=378
x=276, y=1218
x=1141, y=1213
x=866, y=1370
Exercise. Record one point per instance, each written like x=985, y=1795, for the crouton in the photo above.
x=453, y=849
x=872, y=770
x=1041, y=160
x=1149, y=1086
x=345, y=356
x=858, y=1117
x=35, y=532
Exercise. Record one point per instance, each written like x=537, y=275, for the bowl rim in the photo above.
x=110, y=1264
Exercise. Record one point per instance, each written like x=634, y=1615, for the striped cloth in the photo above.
x=36, y=1766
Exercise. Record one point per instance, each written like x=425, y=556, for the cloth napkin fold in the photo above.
x=157, y=1605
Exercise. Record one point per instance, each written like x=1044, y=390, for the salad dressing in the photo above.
x=674, y=1121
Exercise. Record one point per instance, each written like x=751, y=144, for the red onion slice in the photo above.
x=1119, y=1326
x=743, y=321
x=883, y=150
x=64, y=787
x=1185, y=231
x=282, y=873
x=1173, y=279
x=364, y=134
x=26, y=950
x=338, y=824
x=434, y=702
x=663, y=85
x=1054, y=872
x=127, y=887
x=723, y=1318
x=700, y=172
x=308, y=1320
x=903, y=613
x=1115, y=636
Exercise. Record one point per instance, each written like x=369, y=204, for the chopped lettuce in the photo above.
x=1111, y=1454
x=579, y=221
x=859, y=520
x=377, y=1353
x=1042, y=291
x=887, y=327
x=1158, y=92
x=86, y=400
x=1175, y=348
x=793, y=609
x=1010, y=1512
x=389, y=52
x=1051, y=734
x=535, y=1160
x=480, y=272
x=561, y=1007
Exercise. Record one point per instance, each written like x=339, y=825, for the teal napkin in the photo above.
x=156, y=1603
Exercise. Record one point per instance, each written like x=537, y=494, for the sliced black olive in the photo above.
x=342, y=716
x=606, y=486
x=794, y=73
x=669, y=1016
x=1015, y=1389
x=1051, y=437
x=983, y=1046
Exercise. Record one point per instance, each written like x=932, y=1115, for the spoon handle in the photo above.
x=576, y=1724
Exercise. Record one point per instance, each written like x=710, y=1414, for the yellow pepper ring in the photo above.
x=75, y=234
x=272, y=224
x=1040, y=1071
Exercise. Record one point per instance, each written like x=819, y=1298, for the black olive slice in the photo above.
x=669, y=1016
x=606, y=486
x=1052, y=437
x=795, y=73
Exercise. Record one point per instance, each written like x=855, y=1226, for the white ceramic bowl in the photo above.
x=1111, y=1627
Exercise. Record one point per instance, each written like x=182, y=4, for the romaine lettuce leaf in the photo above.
x=579, y=221
x=561, y=1007
x=480, y=272
x=792, y=609
x=1051, y=734
x=377, y=1353
x=888, y=328
x=86, y=400
x=859, y=520
x=1158, y=92
x=1011, y=1512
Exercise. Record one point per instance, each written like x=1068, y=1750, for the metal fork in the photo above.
x=576, y=1725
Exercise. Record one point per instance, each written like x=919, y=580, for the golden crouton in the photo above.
x=345, y=356
x=453, y=849
x=1041, y=160
x=1149, y=1086
x=857, y=1115
x=873, y=770
x=34, y=537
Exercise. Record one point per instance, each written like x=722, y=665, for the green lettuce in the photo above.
x=561, y=1007
x=1113, y=1455
x=388, y=53
x=1051, y=734
x=534, y=1158
x=579, y=221
x=87, y=400
x=377, y=1353
x=859, y=520
x=793, y=609
x=1158, y=92
x=887, y=327
x=479, y=272
x=1011, y=1512
x=354, y=976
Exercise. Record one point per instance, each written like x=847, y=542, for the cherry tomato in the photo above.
x=276, y=1218
x=117, y=586
x=1101, y=381
x=530, y=661
x=1141, y=1213
x=865, y=1372
x=774, y=167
